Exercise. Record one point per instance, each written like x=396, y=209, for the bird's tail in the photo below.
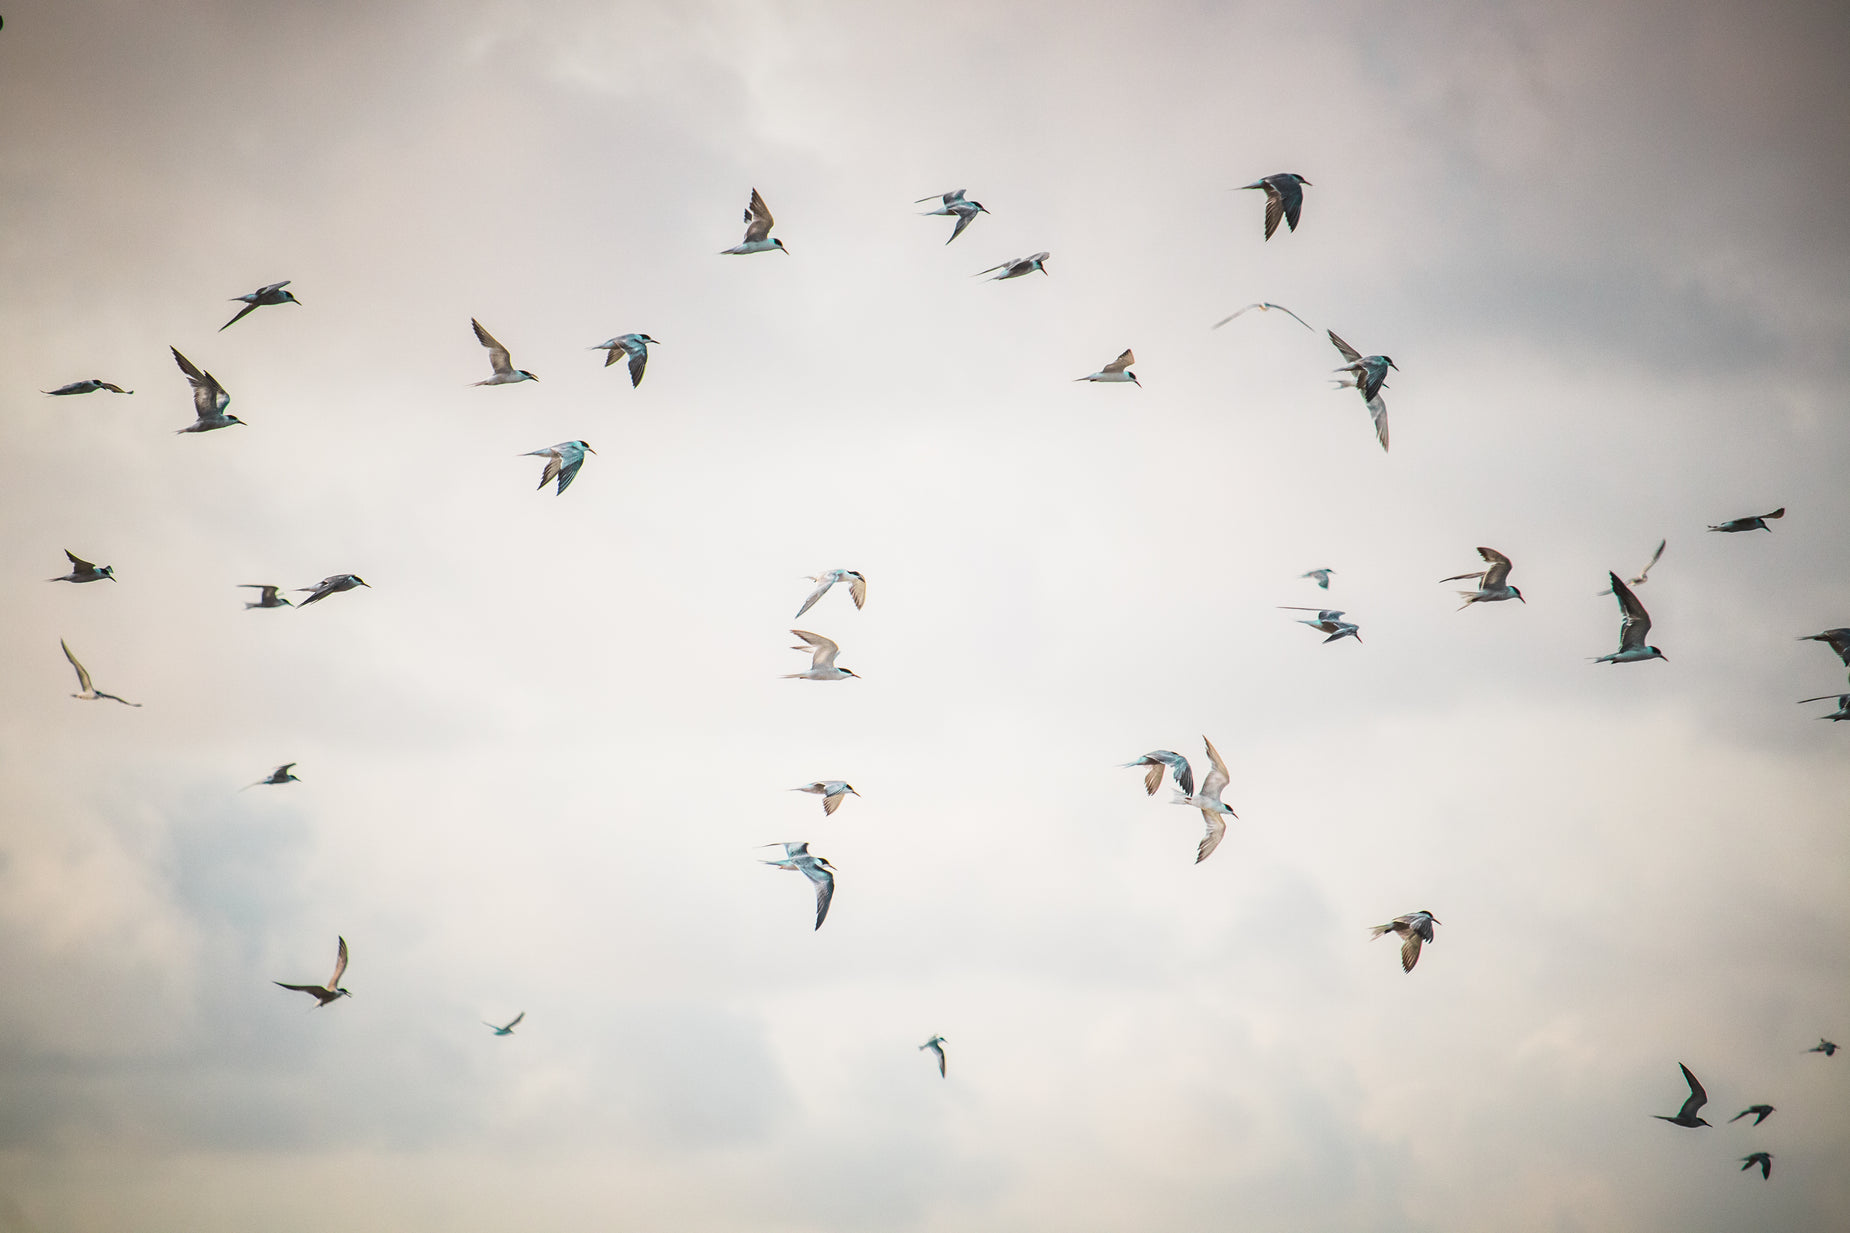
x=1376, y=931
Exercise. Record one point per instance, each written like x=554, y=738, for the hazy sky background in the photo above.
x=1609, y=250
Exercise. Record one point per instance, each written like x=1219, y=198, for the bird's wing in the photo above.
x=1232, y=315
x=567, y=466
x=1291, y=194
x=1377, y=411
x=1281, y=308
x=831, y=802
x=512, y=1023
x=824, y=650
x=1274, y=208
x=83, y=677
x=1498, y=573
x=113, y=698
x=284, y=769
x=1217, y=776
x=244, y=312
x=1778, y=513
x=1374, y=375
x=963, y=220
x=823, y=583
x=992, y=269
x=1036, y=258
x=316, y=989
x=639, y=360
x=1410, y=951
x=1697, y=1097
x=825, y=889
x=1637, y=622
x=1121, y=363
x=1646, y=571
x=498, y=357
x=1217, y=830
x=273, y=288
x=758, y=220
x=1348, y=353
x=206, y=389
x=340, y=962
x=1824, y=698
x=114, y=388
x=78, y=563
x=857, y=591
x=1153, y=778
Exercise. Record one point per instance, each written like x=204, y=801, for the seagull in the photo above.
x=92, y=694
x=1265, y=307
x=1756, y=523
x=88, y=387
x=1209, y=803
x=281, y=774
x=857, y=587
x=1178, y=766
x=822, y=667
x=1329, y=621
x=272, y=597
x=1636, y=623
x=209, y=398
x=562, y=462
x=1843, y=705
x=1644, y=573
x=636, y=346
x=83, y=571
x=333, y=584
x=830, y=790
x=1759, y=1111
x=1686, y=1116
x=816, y=868
x=1016, y=268
x=505, y=1029
x=1320, y=576
x=1118, y=370
x=1826, y=1047
x=936, y=1045
x=1492, y=584
x=1413, y=928
x=499, y=359
x=272, y=294
x=758, y=224
x=1837, y=639
x=330, y=992
x=1284, y=197
x=1763, y=1159
x=954, y=203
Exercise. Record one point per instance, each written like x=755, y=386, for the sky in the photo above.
x=1608, y=248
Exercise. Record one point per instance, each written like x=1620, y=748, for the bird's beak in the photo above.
x=1523, y=600
x=589, y=450
x=366, y=584
x=852, y=790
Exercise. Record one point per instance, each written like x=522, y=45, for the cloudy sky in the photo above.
x=1609, y=251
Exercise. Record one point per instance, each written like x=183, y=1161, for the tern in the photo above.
x=1837, y=639
x=1284, y=197
x=1368, y=373
x=758, y=224
x=1178, y=766
x=209, y=398
x=936, y=1045
x=1826, y=1047
x=1757, y=523
x=562, y=462
x=1118, y=370
x=330, y=992
x=272, y=294
x=1016, y=268
x=816, y=868
x=1763, y=1159
x=92, y=694
x=88, y=387
x=1686, y=1116
x=822, y=666
x=1329, y=621
x=1645, y=573
x=635, y=346
x=1635, y=623
x=954, y=203
x=1208, y=801
x=272, y=596
x=830, y=790
x=1414, y=929
x=1492, y=584
x=281, y=774
x=1843, y=705
x=1263, y=306
x=333, y=584
x=83, y=571
x=1320, y=576
x=505, y=1029
x=1759, y=1113
x=499, y=360
x=857, y=587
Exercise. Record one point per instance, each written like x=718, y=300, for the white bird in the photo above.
x=635, y=346
x=1329, y=621
x=1686, y=1116
x=1492, y=584
x=816, y=868
x=822, y=666
x=1284, y=197
x=857, y=587
x=1645, y=573
x=324, y=994
x=1264, y=306
x=758, y=224
x=1209, y=803
x=88, y=387
x=936, y=1045
x=1758, y=522
x=1118, y=370
x=281, y=774
x=333, y=584
x=1843, y=705
x=499, y=360
x=830, y=790
x=1016, y=268
x=562, y=462
x=1320, y=576
x=90, y=692
x=1156, y=760
x=954, y=203
x=505, y=1029
x=272, y=294
x=272, y=596
x=209, y=398
x=1413, y=928
x=1634, y=624
x=83, y=571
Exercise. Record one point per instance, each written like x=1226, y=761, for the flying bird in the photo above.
x=1263, y=306
x=1284, y=197
x=1843, y=705
x=323, y=994
x=505, y=1029
x=562, y=462
x=758, y=224
x=1178, y=766
x=1634, y=624
x=954, y=203
x=88, y=387
x=830, y=790
x=1826, y=1047
x=83, y=571
x=1759, y=1113
x=1329, y=621
x=635, y=346
x=1368, y=373
x=280, y=775
x=1414, y=928
x=1645, y=573
x=1208, y=801
x=91, y=693
x=1763, y=1159
x=499, y=359
x=1757, y=523
x=1118, y=370
x=857, y=587
x=1686, y=1116
x=936, y=1045
x=209, y=398
x=1492, y=584
x=1320, y=576
x=333, y=584
x=822, y=665
x=272, y=596
x=1837, y=639
x=1016, y=268
x=816, y=868
x=272, y=294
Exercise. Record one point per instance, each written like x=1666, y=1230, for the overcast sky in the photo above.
x=1608, y=250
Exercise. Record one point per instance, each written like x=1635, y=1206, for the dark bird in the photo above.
x=333, y=584
x=1759, y=1113
x=1284, y=198
x=1826, y=1047
x=88, y=387
x=1634, y=625
x=272, y=597
x=936, y=1045
x=505, y=1029
x=272, y=294
x=280, y=775
x=1757, y=523
x=1413, y=928
x=1686, y=1116
x=1837, y=639
x=323, y=994
x=1763, y=1159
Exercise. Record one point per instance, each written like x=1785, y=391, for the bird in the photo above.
x=1264, y=306
x=1843, y=705
x=830, y=790
x=330, y=992
x=816, y=868
x=1837, y=639
x=1414, y=928
x=1644, y=573
x=1759, y=1112
x=936, y=1045
x=505, y=1029
x=635, y=346
x=1635, y=623
x=1320, y=576
x=1686, y=1116
x=1118, y=370
x=1016, y=268
x=1763, y=1159
x=954, y=203
x=499, y=359
x=1826, y=1047
x=1178, y=766
x=758, y=224
x=857, y=587
x=1367, y=374
x=1329, y=621
x=272, y=294
x=281, y=774
x=1284, y=197
x=272, y=596
x=1492, y=584
x=90, y=692
x=209, y=398
x=822, y=666
x=1208, y=801
x=83, y=571
x=333, y=584
x=562, y=462
x=88, y=387
x=1757, y=523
